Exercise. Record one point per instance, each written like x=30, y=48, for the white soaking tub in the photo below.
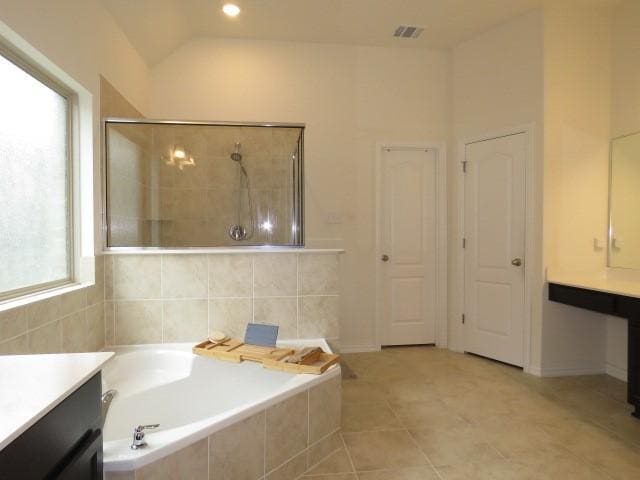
x=190, y=396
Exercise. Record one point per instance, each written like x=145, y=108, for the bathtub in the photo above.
x=190, y=396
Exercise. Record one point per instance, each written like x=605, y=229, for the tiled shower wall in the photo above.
x=156, y=202
x=179, y=298
x=73, y=322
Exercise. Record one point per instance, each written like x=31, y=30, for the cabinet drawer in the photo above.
x=588, y=299
x=47, y=446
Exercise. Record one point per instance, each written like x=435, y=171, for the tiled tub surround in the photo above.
x=165, y=298
x=277, y=435
x=66, y=323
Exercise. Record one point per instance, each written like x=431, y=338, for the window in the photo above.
x=36, y=250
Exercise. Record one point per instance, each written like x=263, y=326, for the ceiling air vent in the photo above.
x=404, y=31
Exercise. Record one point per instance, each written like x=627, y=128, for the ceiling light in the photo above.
x=231, y=10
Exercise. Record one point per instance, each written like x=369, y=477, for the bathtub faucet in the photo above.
x=107, y=398
x=138, y=436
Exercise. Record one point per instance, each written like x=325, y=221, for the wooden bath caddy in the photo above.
x=273, y=358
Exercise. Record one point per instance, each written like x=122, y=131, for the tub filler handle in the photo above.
x=138, y=435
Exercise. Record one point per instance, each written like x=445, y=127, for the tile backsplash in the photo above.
x=72, y=322
x=181, y=297
x=161, y=298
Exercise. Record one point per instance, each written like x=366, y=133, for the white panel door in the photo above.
x=408, y=246
x=494, y=217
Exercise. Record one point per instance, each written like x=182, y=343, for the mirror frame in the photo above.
x=300, y=210
x=610, y=185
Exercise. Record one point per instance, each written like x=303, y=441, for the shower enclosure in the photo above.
x=172, y=184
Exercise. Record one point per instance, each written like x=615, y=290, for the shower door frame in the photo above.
x=299, y=210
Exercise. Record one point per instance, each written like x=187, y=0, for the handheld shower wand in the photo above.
x=238, y=232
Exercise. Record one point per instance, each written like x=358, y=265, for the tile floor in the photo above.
x=419, y=413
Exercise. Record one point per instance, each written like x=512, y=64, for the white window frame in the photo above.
x=80, y=161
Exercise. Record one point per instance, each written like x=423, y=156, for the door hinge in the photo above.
x=464, y=243
x=463, y=318
x=464, y=166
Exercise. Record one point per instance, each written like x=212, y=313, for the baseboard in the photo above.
x=567, y=372
x=358, y=348
x=616, y=372
x=533, y=370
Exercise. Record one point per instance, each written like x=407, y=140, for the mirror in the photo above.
x=624, y=192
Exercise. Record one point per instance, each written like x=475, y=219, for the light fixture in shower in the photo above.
x=231, y=10
x=267, y=226
x=179, y=152
x=180, y=157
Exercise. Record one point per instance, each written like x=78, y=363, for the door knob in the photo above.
x=516, y=262
x=385, y=258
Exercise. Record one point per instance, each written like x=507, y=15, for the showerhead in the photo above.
x=236, y=156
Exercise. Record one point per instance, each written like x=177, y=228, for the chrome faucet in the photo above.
x=107, y=398
x=138, y=435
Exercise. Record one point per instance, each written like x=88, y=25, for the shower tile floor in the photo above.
x=419, y=413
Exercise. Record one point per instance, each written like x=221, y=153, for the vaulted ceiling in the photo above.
x=158, y=27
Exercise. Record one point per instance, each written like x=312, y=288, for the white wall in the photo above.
x=547, y=69
x=625, y=119
x=577, y=133
x=497, y=84
x=350, y=98
x=82, y=38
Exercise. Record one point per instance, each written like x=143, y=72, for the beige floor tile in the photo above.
x=323, y=448
x=538, y=409
x=587, y=401
x=606, y=384
x=361, y=391
x=381, y=366
x=455, y=385
x=341, y=476
x=498, y=470
x=478, y=404
x=622, y=424
x=337, y=462
x=620, y=464
x=477, y=419
x=455, y=446
x=513, y=437
x=290, y=470
x=582, y=438
x=409, y=390
x=558, y=466
x=434, y=415
x=380, y=450
x=367, y=417
x=416, y=473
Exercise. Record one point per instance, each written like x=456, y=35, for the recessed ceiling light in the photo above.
x=231, y=10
